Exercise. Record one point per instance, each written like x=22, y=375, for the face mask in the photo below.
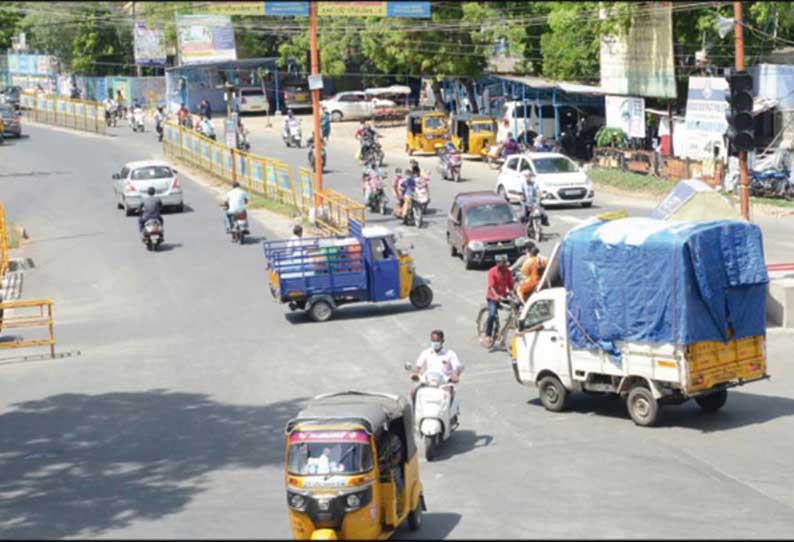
x=436, y=345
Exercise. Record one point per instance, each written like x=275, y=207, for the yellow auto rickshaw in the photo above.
x=352, y=467
x=427, y=130
x=473, y=134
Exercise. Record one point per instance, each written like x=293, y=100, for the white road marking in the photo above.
x=570, y=219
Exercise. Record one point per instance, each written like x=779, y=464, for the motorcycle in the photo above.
x=291, y=134
x=152, y=235
x=377, y=198
x=310, y=144
x=449, y=166
x=534, y=219
x=436, y=409
x=239, y=225
x=136, y=119
x=242, y=143
x=418, y=207
x=372, y=152
x=207, y=130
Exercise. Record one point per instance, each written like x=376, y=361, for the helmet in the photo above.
x=150, y=191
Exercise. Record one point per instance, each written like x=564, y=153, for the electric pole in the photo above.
x=745, y=198
x=315, y=69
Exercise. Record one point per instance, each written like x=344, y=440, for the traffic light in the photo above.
x=740, y=113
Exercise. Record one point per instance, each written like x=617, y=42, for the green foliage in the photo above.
x=9, y=22
x=611, y=137
x=97, y=48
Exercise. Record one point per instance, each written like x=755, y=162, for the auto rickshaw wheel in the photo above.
x=415, y=516
x=409, y=150
x=421, y=296
x=321, y=311
x=429, y=443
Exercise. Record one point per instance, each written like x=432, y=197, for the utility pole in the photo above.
x=315, y=69
x=743, y=175
x=134, y=22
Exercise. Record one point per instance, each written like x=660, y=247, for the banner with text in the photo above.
x=419, y=10
x=626, y=113
x=149, y=44
x=205, y=38
x=705, y=117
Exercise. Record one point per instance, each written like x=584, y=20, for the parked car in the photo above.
x=353, y=105
x=252, y=100
x=11, y=95
x=481, y=225
x=135, y=178
x=12, y=124
x=296, y=97
x=559, y=179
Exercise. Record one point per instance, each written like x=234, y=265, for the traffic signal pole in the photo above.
x=743, y=175
x=315, y=69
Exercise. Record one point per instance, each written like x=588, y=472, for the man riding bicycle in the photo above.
x=500, y=284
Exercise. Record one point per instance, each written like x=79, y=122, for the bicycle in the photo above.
x=502, y=334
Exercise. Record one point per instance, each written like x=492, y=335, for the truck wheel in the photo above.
x=713, y=401
x=421, y=296
x=552, y=393
x=415, y=517
x=642, y=406
x=321, y=311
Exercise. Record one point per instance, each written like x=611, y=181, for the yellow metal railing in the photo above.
x=18, y=321
x=335, y=211
x=3, y=242
x=58, y=111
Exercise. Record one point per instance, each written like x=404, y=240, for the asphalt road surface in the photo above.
x=170, y=421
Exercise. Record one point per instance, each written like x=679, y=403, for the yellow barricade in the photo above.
x=75, y=114
x=336, y=210
x=3, y=242
x=28, y=321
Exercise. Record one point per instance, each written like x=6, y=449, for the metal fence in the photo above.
x=58, y=111
x=3, y=243
x=267, y=177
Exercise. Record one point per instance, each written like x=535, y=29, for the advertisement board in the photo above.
x=640, y=63
x=149, y=45
x=705, y=117
x=350, y=9
x=626, y=113
x=205, y=38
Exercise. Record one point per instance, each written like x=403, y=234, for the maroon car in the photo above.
x=481, y=225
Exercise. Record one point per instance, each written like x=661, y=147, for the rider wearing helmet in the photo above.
x=150, y=208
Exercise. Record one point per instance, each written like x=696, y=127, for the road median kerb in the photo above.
x=277, y=223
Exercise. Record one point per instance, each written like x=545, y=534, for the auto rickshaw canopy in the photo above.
x=374, y=411
x=414, y=119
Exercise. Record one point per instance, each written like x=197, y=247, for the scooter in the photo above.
x=136, y=120
x=378, y=198
x=152, y=235
x=449, y=166
x=239, y=225
x=242, y=143
x=291, y=134
x=373, y=152
x=534, y=219
x=310, y=145
x=436, y=409
x=421, y=198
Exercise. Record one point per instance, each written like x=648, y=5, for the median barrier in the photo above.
x=780, y=294
x=3, y=243
x=74, y=114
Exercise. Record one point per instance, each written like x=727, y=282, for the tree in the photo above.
x=99, y=47
x=9, y=23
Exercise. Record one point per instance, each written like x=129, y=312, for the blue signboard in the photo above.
x=419, y=10
x=287, y=9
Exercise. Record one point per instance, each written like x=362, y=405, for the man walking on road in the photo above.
x=325, y=125
x=500, y=282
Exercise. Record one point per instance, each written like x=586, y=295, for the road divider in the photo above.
x=267, y=177
x=3, y=242
x=58, y=111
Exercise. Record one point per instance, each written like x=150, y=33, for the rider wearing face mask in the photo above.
x=438, y=359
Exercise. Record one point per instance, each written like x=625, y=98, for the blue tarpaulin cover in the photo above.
x=654, y=281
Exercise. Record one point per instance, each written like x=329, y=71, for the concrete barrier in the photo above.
x=780, y=295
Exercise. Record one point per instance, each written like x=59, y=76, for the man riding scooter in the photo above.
x=150, y=209
x=439, y=359
x=235, y=201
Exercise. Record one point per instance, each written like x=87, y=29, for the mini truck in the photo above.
x=656, y=312
x=320, y=274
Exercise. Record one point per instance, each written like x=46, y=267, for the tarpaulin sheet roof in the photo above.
x=540, y=83
x=648, y=280
x=693, y=199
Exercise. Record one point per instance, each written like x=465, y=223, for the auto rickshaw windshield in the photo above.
x=329, y=452
x=480, y=127
x=434, y=123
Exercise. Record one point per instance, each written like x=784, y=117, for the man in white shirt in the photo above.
x=438, y=359
x=236, y=200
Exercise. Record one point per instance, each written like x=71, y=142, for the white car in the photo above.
x=559, y=179
x=252, y=100
x=135, y=178
x=353, y=105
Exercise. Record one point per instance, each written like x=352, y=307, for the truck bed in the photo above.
x=298, y=269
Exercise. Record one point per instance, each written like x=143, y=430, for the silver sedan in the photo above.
x=131, y=184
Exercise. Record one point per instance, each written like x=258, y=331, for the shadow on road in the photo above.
x=362, y=310
x=435, y=525
x=168, y=247
x=461, y=442
x=742, y=409
x=77, y=463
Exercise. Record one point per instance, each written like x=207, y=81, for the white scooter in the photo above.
x=136, y=119
x=291, y=133
x=436, y=410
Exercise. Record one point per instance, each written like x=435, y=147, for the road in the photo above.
x=170, y=421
